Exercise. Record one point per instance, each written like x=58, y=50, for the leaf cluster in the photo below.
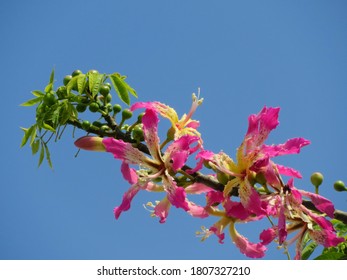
x=57, y=108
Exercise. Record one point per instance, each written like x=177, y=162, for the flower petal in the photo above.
x=129, y=174
x=150, y=122
x=161, y=210
x=268, y=235
x=124, y=151
x=321, y=203
x=252, y=250
x=292, y=146
x=126, y=202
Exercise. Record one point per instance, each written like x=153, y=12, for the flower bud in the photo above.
x=340, y=186
x=90, y=143
x=317, y=179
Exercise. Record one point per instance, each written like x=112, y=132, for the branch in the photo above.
x=198, y=177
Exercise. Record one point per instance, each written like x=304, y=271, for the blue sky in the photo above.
x=242, y=54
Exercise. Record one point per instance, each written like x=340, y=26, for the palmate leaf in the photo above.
x=95, y=80
x=122, y=88
x=28, y=133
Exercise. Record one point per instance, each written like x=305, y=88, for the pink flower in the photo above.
x=157, y=167
x=183, y=126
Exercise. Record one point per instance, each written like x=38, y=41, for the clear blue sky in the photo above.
x=242, y=54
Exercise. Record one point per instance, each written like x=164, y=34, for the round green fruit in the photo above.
x=67, y=79
x=80, y=107
x=340, y=186
x=76, y=73
x=127, y=114
x=86, y=125
x=49, y=99
x=104, y=90
x=94, y=107
x=117, y=108
x=317, y=179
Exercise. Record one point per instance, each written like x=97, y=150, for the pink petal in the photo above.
x=252, y=250
x=268, y=235
x=326, y=238
x=124, y=151
x=129, y=174
x=176, y=195
x=236, y=210
x=282, y=230
x=292, y=146
x=218, y=231
x=161, y=210
x=214, y=198
x=287, y=171
x=259, y=126
x=150, y=122
x=198, y=188
x=126, y=202
x=321, y=203
x=179, y=150
x=197, y=211
x=250, y=198
x=177, y=198
x=295, y=194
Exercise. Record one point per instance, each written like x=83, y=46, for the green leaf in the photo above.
x=27, y=133
x=42, y=154
x=330, y=256
x=72, y=84
x=308, y=250
x=48, y=156
x=120, y=87
x=33, y=135
x=95, y=81
x=47, y=127
x=49, y=87
x=31, y=102
x=51, y=78
x=130, y=89
x=38, y=93
x=35, y=146
x=81, y=82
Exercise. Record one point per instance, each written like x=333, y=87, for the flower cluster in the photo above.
x=253, y=187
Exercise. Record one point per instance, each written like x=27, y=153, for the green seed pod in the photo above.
x=340, y=186
x=117, y=108
x=67, y=79
x=317, y=179
x=139, y=117
x=104, y=128
x=94, y=107
x=86, y=125
x=137, y=133
x=49, y=99
x=104, y=90
x=97, y=124
x=76, y=73
x=126, y=114
x=81, y=107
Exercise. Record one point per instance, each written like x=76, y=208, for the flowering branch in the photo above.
x=246, y=189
